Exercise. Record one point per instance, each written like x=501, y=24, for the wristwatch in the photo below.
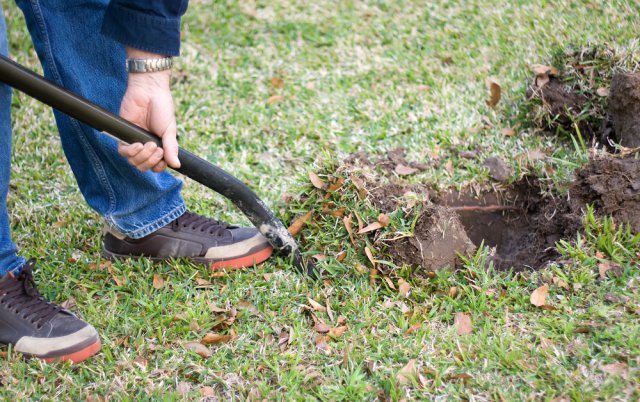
x=148, y=65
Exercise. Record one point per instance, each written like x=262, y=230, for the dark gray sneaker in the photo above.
x=38, y=328
x=201, y=239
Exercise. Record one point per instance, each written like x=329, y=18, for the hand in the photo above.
x=148, y=103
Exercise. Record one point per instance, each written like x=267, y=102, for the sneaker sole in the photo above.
x=249, y=260
x=78, y=356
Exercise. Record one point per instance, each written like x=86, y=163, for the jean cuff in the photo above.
x=140, y=232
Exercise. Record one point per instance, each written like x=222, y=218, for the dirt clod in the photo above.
x=498, y=169
x=613, y=187
x=624, y=108
x=438, y=238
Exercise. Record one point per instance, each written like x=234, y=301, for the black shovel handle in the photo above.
x=192, y=166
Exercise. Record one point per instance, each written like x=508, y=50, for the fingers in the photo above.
x=144, y=157
x=170, y=146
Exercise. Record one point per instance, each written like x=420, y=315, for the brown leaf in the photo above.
x=370, y=227
x=317, y=181
x=198, y=348
x=384, y=220
x=369, y=254
x=453, y=291
x=341, y=256
x=460, y=376
x=389, y=282
x=338, y=331
x=560, y=283
x=358, y=184
x=207, y=391
x=158, y=282
x=322, y=328
x=360, y=268
x=508, y=132
x=413, y=328
x=620, y=368
x=449, y=167
x=277, y=82
x=495, y=92
x=273, y=99
x=541, y=80
x=183, y=387
x=347, y=220
x=406, y=373
x=373, y=275
x=462, y=322
x=316, y=306
x=539, y=296
x=322, y=344
x=360, y=223
x=336, y=185
x=607, y=267
x=532, y=155
x=404, y=170
x=211, y=338
x=542, y=69
x=247, y=305
x=404, y=288
x=299, y=223
x=202, y=282
x=603, y=92
x=334, y=212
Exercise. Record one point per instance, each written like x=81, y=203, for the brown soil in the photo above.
x=613, y=186
x=438, y=238
x=624, y=108
x=519, y=224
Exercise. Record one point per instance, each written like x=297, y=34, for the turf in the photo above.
x=272, y=90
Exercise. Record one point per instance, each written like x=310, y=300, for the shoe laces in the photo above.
x=197, y=222
x=22, y=297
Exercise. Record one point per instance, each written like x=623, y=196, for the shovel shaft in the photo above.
x=192, y=166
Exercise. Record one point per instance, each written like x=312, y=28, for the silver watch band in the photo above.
x=148, y=65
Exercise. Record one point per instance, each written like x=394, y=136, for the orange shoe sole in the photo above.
x=243, y=262
x=77, y=357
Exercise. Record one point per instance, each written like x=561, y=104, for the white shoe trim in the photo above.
x=237, y=249
x=43, y=346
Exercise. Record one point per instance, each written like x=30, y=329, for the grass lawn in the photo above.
x=272, y=90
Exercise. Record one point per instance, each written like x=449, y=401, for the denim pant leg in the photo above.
x=9, y=261
x=73, y=53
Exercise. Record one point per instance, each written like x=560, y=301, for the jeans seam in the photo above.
x=96, y=162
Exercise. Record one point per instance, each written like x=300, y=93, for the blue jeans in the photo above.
x=66, y=36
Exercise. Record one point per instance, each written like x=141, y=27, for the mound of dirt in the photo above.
x=436, y=242
x=624, y=108
x=613, y=187
x=520, y=225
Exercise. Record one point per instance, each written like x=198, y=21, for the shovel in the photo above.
x=192, y=166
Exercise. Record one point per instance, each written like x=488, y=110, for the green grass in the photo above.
x=358, y=76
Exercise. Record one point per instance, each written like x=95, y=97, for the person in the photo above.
x=87, y=46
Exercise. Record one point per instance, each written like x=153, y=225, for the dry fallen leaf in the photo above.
x=620, y=368
x=462, y=322
x=322, y=344
x=299, y=223
x=183, y=387
x=316, y=306
x=453, y=291
x=277, y=82
x=316, y=181
x=158, y=282
x=207, y=391
x=539, y=296
x=275, y=99
x=560, y=283
x=406, y=373
x=542, y=69
x=404, y=170
x=358, y=184
x=202, y=282
x=389, y=282
x=603, y=267
x=449, y=167
x=336, y=185
x=603, y=92
x=508, y=132
x=413, y=328
x=337, y=331
x=495, y=92
x=347, y=220
x=341, y=256
x=211, y=338
x=369, y=254
x=404, y=288
x=542, y=80
x=198, y=348
x=322, y=328
x=370, y=227
x=384, y=220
